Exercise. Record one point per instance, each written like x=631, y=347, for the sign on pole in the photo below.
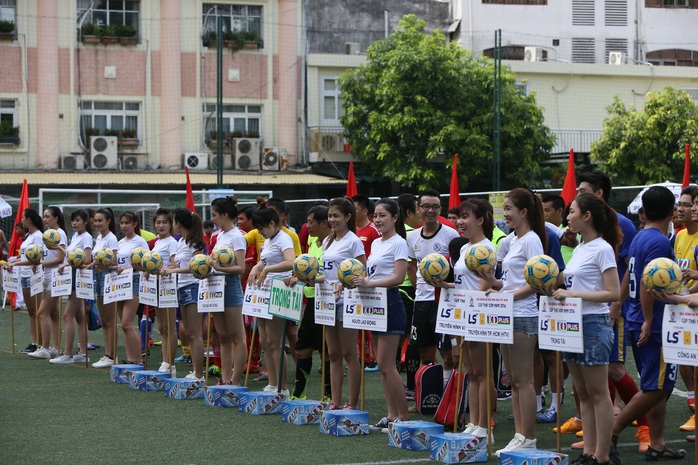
x=118, y=286
x=490, y=318
x=560, y=324
x=61, y=283
x=366, y=308
x=256, y=302
x=286, y=302
x=211, y=294
x=325, y=304
x=84, y=284
x=679, y=335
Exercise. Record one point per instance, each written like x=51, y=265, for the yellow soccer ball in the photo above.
x=480, y=257
x=541, y=272
x=224, y=254
x=34, y=253
x=434, y=267
x=348, y=269
x=306, y=267
x=151, y=262
x=136, y=258
x=51, y=238
x=76, y=257
x=662, y=275
x=200, y=266
x=104, y=256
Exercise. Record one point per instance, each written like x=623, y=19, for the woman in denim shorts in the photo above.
x=229, y=324
x=591, y=275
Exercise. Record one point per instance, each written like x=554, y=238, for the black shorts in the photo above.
x=407, y=295
x=423, y=332
x=309, y=333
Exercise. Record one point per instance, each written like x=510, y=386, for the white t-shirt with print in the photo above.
x=350, y=246
x=50, y=254
x=126, y=246
x=182, y=258
x=384, y=254
x=520, y=251
x=167, y=248
x=233, y=239
x=35, y=238
x=82, y=241
x=108, y=241
x=273, y=252
x=584, y=272
x=420, y=247
x=462, y=276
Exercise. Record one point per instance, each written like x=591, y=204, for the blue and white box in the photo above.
x=120, y=374
x=260, y=402
x=184, y=388
x=148, y=380
x=412, y=435
x=457, y=448
x=223, y=396
x=533, y=457
x=302, y=412
x=344, y=422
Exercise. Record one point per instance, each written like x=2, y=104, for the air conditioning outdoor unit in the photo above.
x=532, y=54
x=227, y=161
x=195, y=161
x=246, y=153
x=274, y=159
x=103, y=152
x=131, y=162
x=352, y=48
x=331, y=142
x=615, y=58
x=73, y=162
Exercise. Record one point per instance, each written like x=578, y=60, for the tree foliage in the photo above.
x=418, y=97
x=645, y=146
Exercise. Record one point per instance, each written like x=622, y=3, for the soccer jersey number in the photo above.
x=632, y=283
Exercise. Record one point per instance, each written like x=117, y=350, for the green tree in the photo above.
x=418, y=97
x=645, y=146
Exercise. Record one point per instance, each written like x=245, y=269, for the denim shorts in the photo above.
x=339, y=311
x=397, y=316
x=598, y=338
x=99, y=281
x=526, y=324
x=26, y=282
x=233, y=291
x=188, y=294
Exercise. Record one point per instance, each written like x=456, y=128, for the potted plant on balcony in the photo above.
x=91, y=33
x=112, y=132
x=109, y=35
x=251, y=40
x=127, y=34
x=9, y=134
x=235, y=134
x=252, y=134
x=233, y=40
x=213, y=141
x=7, y=30
x=127, y=138
x=89, y=132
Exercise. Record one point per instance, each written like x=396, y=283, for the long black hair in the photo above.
x=82, y=214
x=134, y=218
x=194, y=226
x=347, y=208
x=392, y=207
x=167, y=213
x=57, y=213
x=226, y=206
x=35, y=219
x=108, y=214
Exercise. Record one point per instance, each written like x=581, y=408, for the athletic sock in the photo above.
x=553, y=402
x=627, y=388
x=303, y=368
x=539, y=403
x=411, y=365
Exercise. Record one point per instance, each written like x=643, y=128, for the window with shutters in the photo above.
x=583, y=13
x=616, y=45
x=616, y=12
x=583, y=50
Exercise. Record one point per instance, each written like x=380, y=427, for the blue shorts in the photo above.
x=136, y=282
x=188, y=294
x=618, y=345
x=397, y=316
x=526, y=324
x=99, y=281
x=598, y=339
x=654, y=373
x=26, y=282
x=339, y=311
x=233, y=291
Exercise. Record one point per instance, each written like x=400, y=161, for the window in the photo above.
x=583, y=13
x=671, y=4
x=111, y=12
x=521, y=88
x=332, y=105
x=616, y=12
x=240, y=119
x=583, y=50
x=517, y=2
x=109, y=118
x=693, y=93
x=236, y=18
x=8, y=10
x=8, y=112
x=673, y=57
x=516, y=52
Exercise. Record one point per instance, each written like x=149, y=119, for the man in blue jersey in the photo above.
x=643, y=322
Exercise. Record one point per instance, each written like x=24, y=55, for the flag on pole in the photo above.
x=569, y=189
x=454, y=197
x=23, y=205
x=189, y=203
x=687, y=168
x=351, y=182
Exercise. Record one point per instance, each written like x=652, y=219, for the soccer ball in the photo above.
x=200, y=266
x=305, y=267
x=434, y=267
x=137, y=257
x=51, y=238
x=662, y=275
x=224, y=254
x=480, y=257
x=151, y=262
x=104, y=256
x=34, y=254
x=541, y=272
x=348, y=269
x=76, y=257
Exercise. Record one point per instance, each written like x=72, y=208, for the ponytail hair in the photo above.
x=133, y=218
x=57, y=213
x=192, y=223
x=603, y=217
x=108, y=213
x=35, y=219
x=226, y=206
x=526, y=199
x=479, y=208
x=347, y=208
x=392, y=207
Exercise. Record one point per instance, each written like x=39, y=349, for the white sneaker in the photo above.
x=387, y=428
x=103, y=362
x=53, y=351
x=513, y=444
x=528, y=444
x=62, y=360
x=269, y=388
x=481, y=432
x=470, y=427
x=165, y=368
x=79, y=358
x=192, y=375
x=286, y=393
x=41, y=353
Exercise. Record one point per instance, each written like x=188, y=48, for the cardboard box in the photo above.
x=260, y=402
x=223, y=396
x=412, y=435
x=120, y=374
x=533, y=457
x=344, y=422
x=184, y=388
x=148, y=380
x=457, y=448
x=302, y=412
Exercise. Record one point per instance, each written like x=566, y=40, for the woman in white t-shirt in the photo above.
x=386, y=267
x=75, y=307
x=105, y=225
x=31, y=221
x=523, y=212
x=190, y=226
x=275, y=261
x=229, y=324
x=129, y=222
x=592, y=276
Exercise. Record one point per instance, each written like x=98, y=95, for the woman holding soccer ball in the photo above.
x=229, y=324
x=523, y=212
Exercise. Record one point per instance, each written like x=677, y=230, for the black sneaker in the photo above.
x=383, y=423
x=581, y=460
x=613, y=453
x=30, y=348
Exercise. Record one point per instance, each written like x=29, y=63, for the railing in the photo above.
x=578, y=139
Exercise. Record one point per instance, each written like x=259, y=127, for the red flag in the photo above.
x=454, y=196
x=351, y=182
x=23, y=205
x=687, y=168
x=569, y=189
x=189, y=203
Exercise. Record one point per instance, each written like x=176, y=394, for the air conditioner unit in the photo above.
x=246, y=153
x=532, y=54
x=615, y=58
x=352, y=48
x=274, y=159
x=131, y=162
x=331, y=142
x=195, y=161
x=227, y=161
x=103, y=152
x=247, y=162
x=73, y=162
